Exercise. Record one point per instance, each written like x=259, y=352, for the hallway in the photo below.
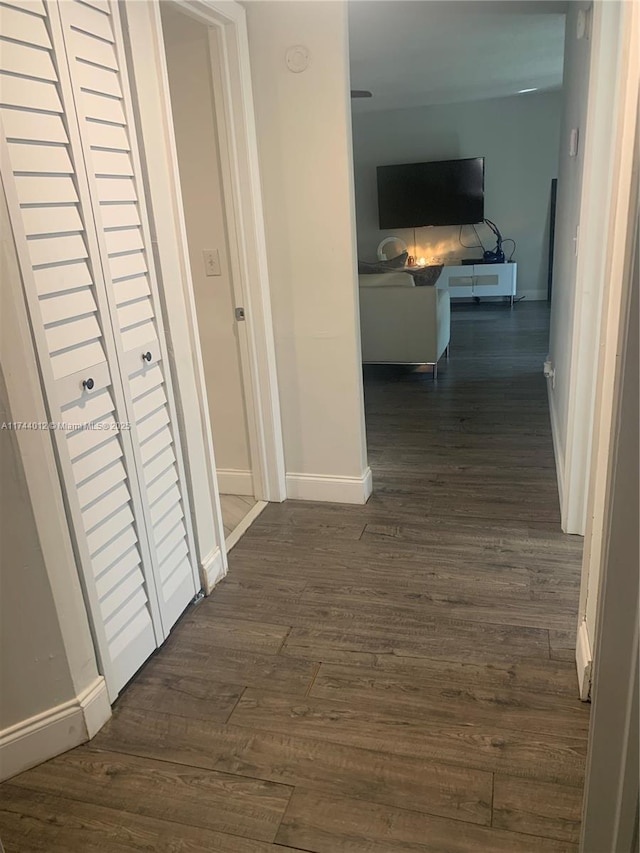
x=393, y=677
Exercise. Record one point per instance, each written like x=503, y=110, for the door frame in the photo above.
x=609, y=25
x=617, y=80
x=231, y=79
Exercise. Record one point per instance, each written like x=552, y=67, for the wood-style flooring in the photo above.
x=234, y=509
x=393, y=678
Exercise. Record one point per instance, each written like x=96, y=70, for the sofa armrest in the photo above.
x=405, y=325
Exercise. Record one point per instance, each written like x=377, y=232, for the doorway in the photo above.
x=218, y=302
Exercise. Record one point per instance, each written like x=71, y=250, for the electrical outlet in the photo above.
x=211, y=262
x=550, y=372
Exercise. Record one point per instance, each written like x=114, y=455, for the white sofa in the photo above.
x=401, y=323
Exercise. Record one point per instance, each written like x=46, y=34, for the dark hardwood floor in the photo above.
x=394, y=677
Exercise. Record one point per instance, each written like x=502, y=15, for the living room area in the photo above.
x=456, y=113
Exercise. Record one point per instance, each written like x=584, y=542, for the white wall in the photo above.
x=187, y=51
x=570, y=171
x=518, y=136
x=304, y=138
x=34, y=671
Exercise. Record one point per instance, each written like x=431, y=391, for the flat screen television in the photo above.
x=447, y=192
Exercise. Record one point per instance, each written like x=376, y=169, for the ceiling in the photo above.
x=412, y=53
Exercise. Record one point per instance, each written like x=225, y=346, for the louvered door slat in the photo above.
x=115, y=598
x=81, y=440
x=35, y=127
x=112, y=163
x=22, y=59
x=58, y=189
x=57, y=249
x=52, y=159
x=95, y=22
x=95, y=79
x=48, y=196
x=131, y=288
x=116, y=189
x=123, y=240
x=104, y=452
x=110, y=136
x=110, y=581
x=66, y=277
x=36, y=7
x=57, y=218
x=164, y=504
x=57, y=308
x=105, y=505
x=119, y=215
x=110, y=527
x=29, y=94
x=18, y=25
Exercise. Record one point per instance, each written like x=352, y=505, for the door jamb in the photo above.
x=245, y=221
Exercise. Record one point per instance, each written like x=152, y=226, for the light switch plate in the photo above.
x=211, y=262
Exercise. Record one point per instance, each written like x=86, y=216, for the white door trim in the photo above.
x=606, y=83
x=617, y=246
x=234, y=114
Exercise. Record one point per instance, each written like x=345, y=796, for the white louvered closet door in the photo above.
x=48, y=199
x=71, y=174
x=97, y=67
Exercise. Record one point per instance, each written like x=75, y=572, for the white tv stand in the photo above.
x=478, y=280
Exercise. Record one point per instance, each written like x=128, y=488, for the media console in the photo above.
x=478, y=280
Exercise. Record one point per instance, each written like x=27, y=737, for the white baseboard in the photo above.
x=323, y=487
x=54, y=731
x=238, y=532
x=233, y=481
x=557, y=450
x=584, y=661
x=95, y=705
x=212, y=569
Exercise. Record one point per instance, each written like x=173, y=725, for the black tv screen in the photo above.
x=448, y=192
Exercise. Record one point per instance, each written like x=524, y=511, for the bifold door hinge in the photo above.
x=240, y=314
x=198, y=598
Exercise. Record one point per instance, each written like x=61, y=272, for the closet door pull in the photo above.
x=88, y=383
x=146, y=356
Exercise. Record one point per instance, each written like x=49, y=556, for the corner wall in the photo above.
x=304, y=143
x=518, y=136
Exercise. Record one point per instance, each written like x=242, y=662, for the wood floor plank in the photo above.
x=250, y=808
x=543, y=755
x=323, y=824
x=510, y=608
x=537, y=808
x=459, y=640
x=562, y=644
x=415, y=698
x=458, y=792
x=184, y=694
x=202, y=627
x=237, y=667
x=35, y=822
x=553, y=677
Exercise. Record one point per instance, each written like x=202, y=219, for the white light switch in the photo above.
x=211, y=262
